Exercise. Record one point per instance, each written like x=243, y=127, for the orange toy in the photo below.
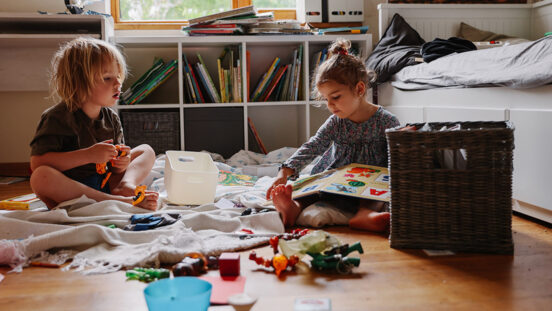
x=105, y=168
x=140, y=194
x=279, y=262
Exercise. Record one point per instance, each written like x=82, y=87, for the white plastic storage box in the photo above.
x=190, y=177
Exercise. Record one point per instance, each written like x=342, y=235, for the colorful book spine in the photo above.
x=268, y=81
x=297, y=84
x=195, y=83
x=209, y=80
x=152, y=84
x=274, y=82
x=203, y=78
x=265, y=78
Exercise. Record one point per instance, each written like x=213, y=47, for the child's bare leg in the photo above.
x=52, y=187
x=142, y=159
x=368, y=219
x=288, y=208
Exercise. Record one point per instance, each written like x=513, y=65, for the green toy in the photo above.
x=336, y=259
x=147, y=274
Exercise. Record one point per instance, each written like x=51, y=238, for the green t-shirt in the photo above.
x=60, y=130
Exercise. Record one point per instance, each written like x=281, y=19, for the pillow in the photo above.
x=397, y=48
x=474, y=34
x=477, y=35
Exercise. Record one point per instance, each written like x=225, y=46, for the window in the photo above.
x=171, y=14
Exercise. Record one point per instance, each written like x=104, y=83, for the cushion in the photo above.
x=398, y=48
x=471, y=33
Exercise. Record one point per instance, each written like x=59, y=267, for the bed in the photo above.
x=530, y=109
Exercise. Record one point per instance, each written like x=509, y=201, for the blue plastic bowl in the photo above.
x=180, y=293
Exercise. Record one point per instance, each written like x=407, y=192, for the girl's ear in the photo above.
x=360, y=88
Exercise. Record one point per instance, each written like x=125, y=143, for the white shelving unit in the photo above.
x=29, y=40
x=279, y=124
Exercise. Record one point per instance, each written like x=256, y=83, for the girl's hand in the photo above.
x=121, y=163
x=101, y=152
x=282, y=177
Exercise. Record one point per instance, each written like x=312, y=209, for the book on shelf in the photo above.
x=253, y=131
x=22, y=202
x=264, y=79
x=353, y=180
x=194, y=79
x=246, y=10
x=208, y=80
x=277, y=76
x=296, y=83
x=148, y=82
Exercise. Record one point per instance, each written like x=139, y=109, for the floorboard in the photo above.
x=387, y=279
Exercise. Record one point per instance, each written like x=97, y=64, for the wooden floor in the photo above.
x=387, y=279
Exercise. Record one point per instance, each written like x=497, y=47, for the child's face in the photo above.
x=342, y=101
x=108, y=88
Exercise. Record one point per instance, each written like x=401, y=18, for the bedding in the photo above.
x=397, y=48
x=523, y=65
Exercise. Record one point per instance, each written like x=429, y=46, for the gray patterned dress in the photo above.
x=342, y=141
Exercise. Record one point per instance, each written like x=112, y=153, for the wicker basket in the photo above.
x=159, y=129
x=465, y=210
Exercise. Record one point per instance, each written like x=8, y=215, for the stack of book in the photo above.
x=281, y=27
x=149, y=81
x=213, y=29
x=280, y=82
x=227, y=22
x=199, y=86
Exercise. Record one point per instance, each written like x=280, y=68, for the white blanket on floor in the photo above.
x=77, y=228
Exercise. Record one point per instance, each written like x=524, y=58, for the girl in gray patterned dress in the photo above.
x=355, y=133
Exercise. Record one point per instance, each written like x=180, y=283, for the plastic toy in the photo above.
x=193, y=264
x=105, y=168
x=336, y=259
x=147, y=274
x=229, y=264
x=279, y=262
x=139, y=194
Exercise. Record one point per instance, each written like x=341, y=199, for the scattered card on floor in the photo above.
x=312, y=304
x=438, y=252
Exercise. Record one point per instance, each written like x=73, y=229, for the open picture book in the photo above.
x=355, y=180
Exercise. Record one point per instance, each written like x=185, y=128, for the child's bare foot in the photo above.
x=366, y=219
x=150, y=201
x=288, y=208
x=124, y=189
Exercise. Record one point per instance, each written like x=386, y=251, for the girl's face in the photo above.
x=342, y=101
x=107, y=90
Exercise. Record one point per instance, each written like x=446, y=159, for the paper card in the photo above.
x=437, y=252
x=312, y=304
x=224, y=287
x=224, y=204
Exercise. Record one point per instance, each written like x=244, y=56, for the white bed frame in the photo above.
x=529, y=109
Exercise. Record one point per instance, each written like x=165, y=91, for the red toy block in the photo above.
x=229, y=264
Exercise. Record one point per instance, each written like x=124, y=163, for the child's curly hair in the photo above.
x=78, y=65
x=341, y=67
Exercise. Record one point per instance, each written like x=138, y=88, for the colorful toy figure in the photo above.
x=147, y=274
x=139, y=194
x=193, y=264
x=279, y=262
x=105, y=168
x=336, y=259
